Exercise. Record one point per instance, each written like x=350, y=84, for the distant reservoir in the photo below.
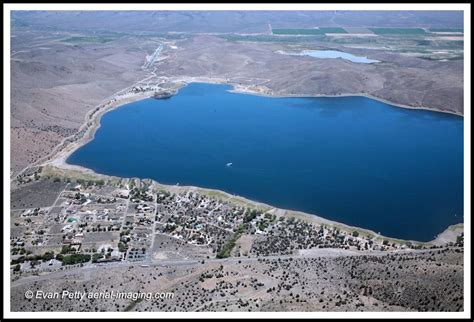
x=336, y=54
x=349, y=159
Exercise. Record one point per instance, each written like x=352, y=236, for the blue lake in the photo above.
x=350, y=159
x=338, y=54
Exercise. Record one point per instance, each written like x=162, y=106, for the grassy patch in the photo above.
x=333, y=30
x=446, y=30
x=163, y=35
x=225, y=251
x=398, y=31
x=456, y=226
x=215, y=194
x=297, y=32
x=87, y=39
x=270, y=38
x=51, y=172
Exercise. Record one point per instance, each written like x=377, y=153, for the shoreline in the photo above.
x=184, y=81
x=251, y=90
x=439, y=239
x=59, y=158
x=245, y=90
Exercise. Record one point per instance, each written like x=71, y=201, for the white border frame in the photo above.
x=274, y=7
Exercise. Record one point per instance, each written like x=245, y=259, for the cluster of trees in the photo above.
x=251, y=215
x=140, y=194
x=67, y=249
x=225, y=251
x=76, y=259
x=162, y=195
x=20, y=251
x=88, y=183
x=460, y=240
x=45, y=257
x=122, y=247
x=96, y=257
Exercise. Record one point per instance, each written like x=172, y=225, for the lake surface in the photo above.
x=338, y=54
x=350, y=159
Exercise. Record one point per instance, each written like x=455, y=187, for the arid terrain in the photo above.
x=79, y=231
x=54, y=85
x=428, y=281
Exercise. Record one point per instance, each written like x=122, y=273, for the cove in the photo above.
x=353, y=159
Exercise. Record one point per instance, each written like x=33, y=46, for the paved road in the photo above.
x=316, y=253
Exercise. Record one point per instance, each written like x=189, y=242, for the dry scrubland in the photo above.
x=54, y=85
x=431, y=281
x=399, y=79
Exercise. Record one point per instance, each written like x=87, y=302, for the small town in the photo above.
x=94, y=221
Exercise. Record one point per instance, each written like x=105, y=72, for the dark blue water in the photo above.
x=349, y=159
